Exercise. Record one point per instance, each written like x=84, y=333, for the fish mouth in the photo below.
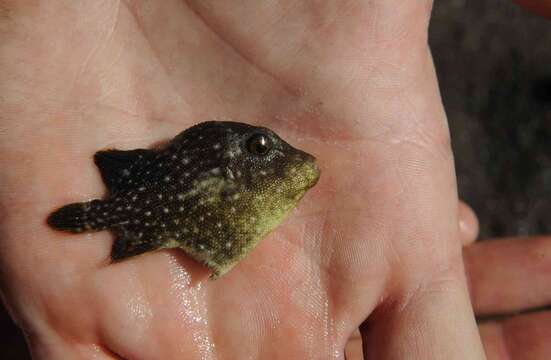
x=315, y=173
x=308, y=173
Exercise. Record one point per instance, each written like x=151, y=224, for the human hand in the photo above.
x=468, y=232
x=352, y=83
x=510, y=291
x=509, y=281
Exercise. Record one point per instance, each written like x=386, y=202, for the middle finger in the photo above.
x=509, y=275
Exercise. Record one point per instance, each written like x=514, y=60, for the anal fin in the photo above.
x=128, y=244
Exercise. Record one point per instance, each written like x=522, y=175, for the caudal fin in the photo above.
x=77, y=217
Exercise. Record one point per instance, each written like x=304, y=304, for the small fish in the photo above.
x=214, y=191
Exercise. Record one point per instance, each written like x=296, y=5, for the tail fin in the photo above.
x=78, y=217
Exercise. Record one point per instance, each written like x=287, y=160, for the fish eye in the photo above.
x=259, y=144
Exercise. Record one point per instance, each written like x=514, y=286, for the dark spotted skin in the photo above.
x=214, y=191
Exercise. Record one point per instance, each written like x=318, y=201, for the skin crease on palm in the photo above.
x=352, y=83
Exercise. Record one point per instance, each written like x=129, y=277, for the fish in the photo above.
x=214, y=191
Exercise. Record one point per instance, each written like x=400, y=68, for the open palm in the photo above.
x=351, y=82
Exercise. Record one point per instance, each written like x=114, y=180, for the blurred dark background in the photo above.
x=494, y=64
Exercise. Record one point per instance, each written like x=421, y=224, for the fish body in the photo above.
x=214, y=191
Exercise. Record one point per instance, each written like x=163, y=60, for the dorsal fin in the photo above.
x=117, y=166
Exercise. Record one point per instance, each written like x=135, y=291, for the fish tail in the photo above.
x=78, y=217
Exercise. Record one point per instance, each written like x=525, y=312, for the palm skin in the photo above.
x=352, y=83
